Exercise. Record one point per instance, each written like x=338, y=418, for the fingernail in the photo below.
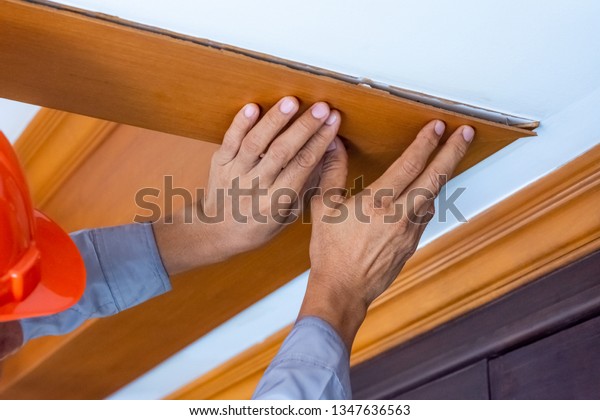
x=439, y=128
x=287, y=106
x=332, y=119
x=319, y=110
x=332, y=146
x=468, y=133
x=249, y=110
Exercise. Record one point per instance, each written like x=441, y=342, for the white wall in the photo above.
x=536, y=59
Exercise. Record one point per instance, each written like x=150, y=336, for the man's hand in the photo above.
x=256, y=183
x=354, y=260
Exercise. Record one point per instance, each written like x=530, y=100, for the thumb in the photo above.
x=334, y=170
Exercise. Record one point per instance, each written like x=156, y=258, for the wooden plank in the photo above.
x=176, y=84
x=564, y=366
x=470, y=383
x=535, y=231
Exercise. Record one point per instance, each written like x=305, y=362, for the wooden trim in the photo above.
x=542, y=227
x=175, y=84
x=53, y=146
x=556, y=301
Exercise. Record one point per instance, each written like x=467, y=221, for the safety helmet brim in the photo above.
x=62, y=281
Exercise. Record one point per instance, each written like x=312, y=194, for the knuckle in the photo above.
x=436, y=178
x=305, y=125
x=252, y=145
x=378, y=202
x=229, y=137
x=431, y=141
x=306, y=158
x=273, y=119
x=459, y=149
x=229, y=143
x=321, y=138
x=411, y=167
x=279, y=154
x=335, y=166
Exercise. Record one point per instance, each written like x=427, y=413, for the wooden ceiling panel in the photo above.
x=119, y=71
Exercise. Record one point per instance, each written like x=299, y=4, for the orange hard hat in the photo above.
x=41, y=271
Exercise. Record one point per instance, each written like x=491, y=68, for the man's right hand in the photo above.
x=353, y=261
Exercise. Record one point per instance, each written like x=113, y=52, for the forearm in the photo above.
x=343, y=309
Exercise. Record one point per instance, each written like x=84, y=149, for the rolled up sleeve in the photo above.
x=313, y=363
x=123, y=268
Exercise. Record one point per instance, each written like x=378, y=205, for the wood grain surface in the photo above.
x=113, y=70
x=564, y=366
x=470, y=383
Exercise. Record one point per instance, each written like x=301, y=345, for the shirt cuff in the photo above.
x=313, y=363
x=123, y=268
x=131, y=264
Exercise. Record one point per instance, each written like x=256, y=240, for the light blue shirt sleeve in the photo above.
x=312, y=364
x=123, y=268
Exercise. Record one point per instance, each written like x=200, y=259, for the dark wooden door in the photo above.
x=540, y=341
x=470, y=383
x=565, y=365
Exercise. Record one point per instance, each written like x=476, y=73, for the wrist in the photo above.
x=183, y=247
x=328, y=299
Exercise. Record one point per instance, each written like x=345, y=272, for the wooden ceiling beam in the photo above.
x=115, y=70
